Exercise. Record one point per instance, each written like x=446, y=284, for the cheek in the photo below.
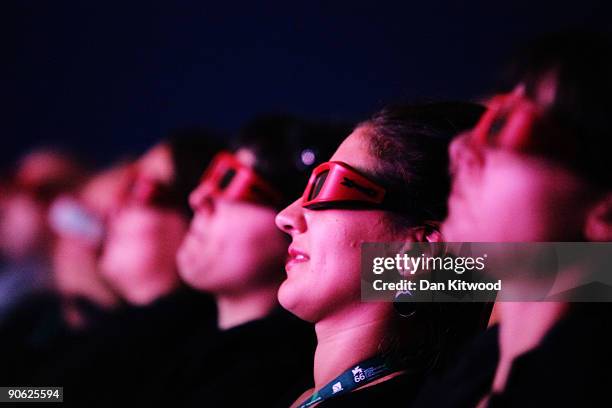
x=237, y=246
x=334, y=250
x=205, y=250
x=258, y=250
x=22, y=222
x=206, y=235
x=504, y=201
x=331, y=279
x=169, y=235
x=143, y=244
x=553, y=209
x=483, y=204
x=523, y=202
x=339, y=261
x=127, y=258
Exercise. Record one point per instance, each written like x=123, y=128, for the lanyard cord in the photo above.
x=363, y=373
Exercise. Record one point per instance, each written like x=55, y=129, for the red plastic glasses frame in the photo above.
x=228, y=178
x=508, y=122
x=336, y=182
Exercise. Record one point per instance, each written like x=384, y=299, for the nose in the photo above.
x=201, y=199
x=463, y=154
x=291, y=219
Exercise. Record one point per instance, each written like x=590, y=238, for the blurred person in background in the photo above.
x=234, y=252
x=138, y=263
x=387, y=182
x=25, y=237
x=40, y=327
x=145, y=232
x=80, y=223
x=537, y=169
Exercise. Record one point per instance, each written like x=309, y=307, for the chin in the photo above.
x=289, y=300
x=284, y=296
x=197, y=284
x=188, y=275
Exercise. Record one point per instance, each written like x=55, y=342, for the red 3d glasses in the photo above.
x=336, y=184
x=507, y=123
x=517, y=123
x=154, y=193
x=228, y=178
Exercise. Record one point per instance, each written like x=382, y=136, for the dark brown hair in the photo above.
x=410, y=146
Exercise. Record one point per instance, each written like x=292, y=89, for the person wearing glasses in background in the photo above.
x=386, y=182
x=26, y=241
x=31, y=319
x=138, y=262
x=537, y=169
x=234, y=252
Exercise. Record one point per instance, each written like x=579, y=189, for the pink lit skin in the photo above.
x=23, y=228
x=75, y=261
x=499, y=195
x=23, y=231
x=234, y=252
x=323, y=272
x=323, y=268
x=139, y=253
x=231, y=246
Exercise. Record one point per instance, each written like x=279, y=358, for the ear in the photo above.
x=598, y=225
x=428, y=232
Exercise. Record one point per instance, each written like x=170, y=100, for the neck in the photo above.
x=347, y=338
x=236, y=309
x=98, y=292
x=154, y=290
x=523, y=326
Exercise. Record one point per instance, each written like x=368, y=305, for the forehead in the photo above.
x=157, y=164
x=246, y=157
x=355, y=150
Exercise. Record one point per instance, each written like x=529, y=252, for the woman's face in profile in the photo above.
x=323, y=268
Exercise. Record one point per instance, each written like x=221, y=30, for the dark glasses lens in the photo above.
x=155, y=194
x=496, y=127
x=318, y=185
x=226, y=179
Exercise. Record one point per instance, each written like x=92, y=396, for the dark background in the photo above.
x=110, y=79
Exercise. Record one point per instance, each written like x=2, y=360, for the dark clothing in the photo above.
x=21, y=281
x=36, y=333
x=465, y=383
x=570, y=367
x=119, y=359
x=249, y=365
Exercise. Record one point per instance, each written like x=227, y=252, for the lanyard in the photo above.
x=363, y=373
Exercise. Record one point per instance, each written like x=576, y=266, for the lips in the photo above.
x=295, y=257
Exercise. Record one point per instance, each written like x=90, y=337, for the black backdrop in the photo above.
x=108, y=79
